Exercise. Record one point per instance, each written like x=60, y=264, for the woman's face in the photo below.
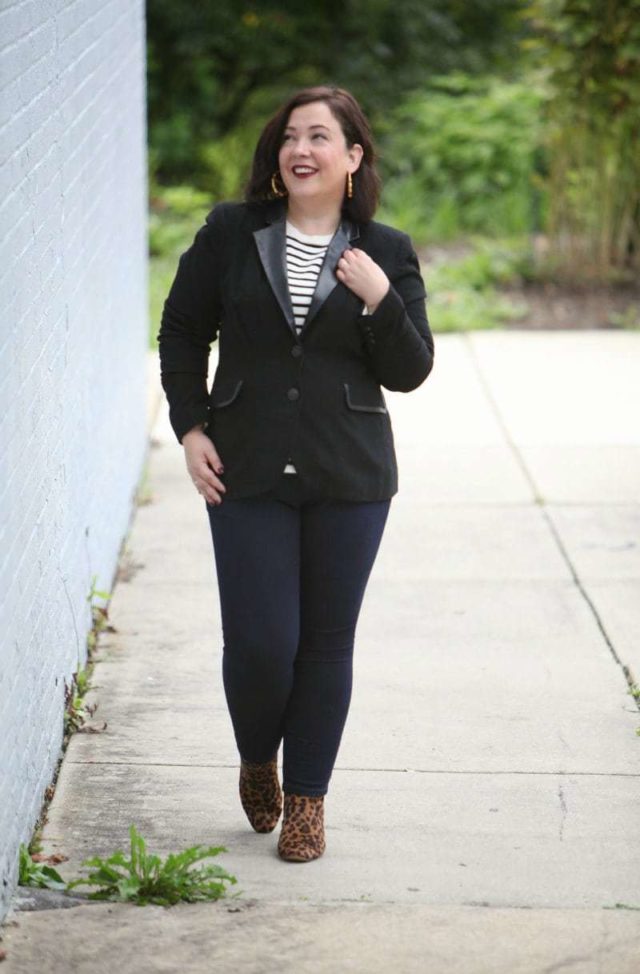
x=314, y=158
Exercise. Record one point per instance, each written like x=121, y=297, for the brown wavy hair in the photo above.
x=354, y=124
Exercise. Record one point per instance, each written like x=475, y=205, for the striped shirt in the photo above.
x=305, y=255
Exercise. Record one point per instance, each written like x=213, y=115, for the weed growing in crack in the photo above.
x=77, y=711
x=145, y=878
x=39, y=874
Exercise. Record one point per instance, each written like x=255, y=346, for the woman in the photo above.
x=316, y=306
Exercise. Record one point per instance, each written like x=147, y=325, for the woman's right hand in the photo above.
x=203, y=463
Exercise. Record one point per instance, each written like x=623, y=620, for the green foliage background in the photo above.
x=453, y=164
x=216, y=69
x=496, y=120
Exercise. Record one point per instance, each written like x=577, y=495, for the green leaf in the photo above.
x=54, y=876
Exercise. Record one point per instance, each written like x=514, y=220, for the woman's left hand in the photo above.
x=363, y=276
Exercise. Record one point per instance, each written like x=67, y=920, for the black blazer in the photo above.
x=315, y=398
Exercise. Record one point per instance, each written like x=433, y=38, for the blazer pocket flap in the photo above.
x=225, y=394
x=363, y=399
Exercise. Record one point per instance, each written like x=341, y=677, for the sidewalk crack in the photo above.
x=563, y=812
x=540, y=501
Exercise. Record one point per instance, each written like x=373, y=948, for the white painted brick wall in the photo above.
x=73, y=345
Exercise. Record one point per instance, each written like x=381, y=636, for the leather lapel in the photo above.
x=327, y=279
x=271, y=242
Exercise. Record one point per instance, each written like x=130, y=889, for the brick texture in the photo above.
x=73, y=345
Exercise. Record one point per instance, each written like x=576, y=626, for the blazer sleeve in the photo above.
x=397, y=335
x=190, y=322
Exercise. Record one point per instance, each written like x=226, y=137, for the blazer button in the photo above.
x=293, y=394
x=296, y=351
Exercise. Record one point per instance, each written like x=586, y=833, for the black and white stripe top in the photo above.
x=305, y=254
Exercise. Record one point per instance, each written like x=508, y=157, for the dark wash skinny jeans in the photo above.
x=292, y=572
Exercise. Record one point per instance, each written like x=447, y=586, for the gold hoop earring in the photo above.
x=274, y=185
x=349, y=186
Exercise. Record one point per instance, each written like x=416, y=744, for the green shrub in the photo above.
x=225, y=163
x=462, y=293
x=175, y=214
x=460, y=156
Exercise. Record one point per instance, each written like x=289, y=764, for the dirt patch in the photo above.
x=552, y=306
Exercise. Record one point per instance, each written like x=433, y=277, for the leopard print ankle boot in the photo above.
x=261, y=794
x=302, y=834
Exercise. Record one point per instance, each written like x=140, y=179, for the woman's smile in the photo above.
x=303, y=172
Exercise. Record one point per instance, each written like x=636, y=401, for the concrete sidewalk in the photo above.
x=483, y=816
